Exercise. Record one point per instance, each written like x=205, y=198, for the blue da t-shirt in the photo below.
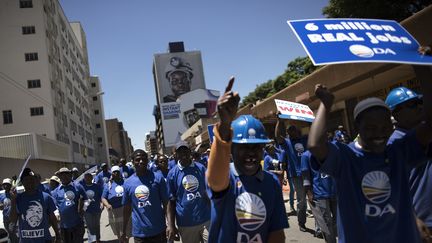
x=146, y=194
x=187, y=187
x=94, y=197
x=248, y=210
x=292, y=151
x=33, y=211
x=420, y=181
x=5, y=200
x=113, y=192
x=323, y=185
x=66, y=198
x=171, y=164
x=102, y=177
x=373, y=193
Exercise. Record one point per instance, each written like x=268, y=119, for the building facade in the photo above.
x=151, y=144
x=119, y=143
x=45, y=77
x=100, y=132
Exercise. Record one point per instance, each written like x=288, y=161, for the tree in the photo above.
x=375, y=9
x=296, y=70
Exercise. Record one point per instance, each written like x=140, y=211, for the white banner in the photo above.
x=294, y=111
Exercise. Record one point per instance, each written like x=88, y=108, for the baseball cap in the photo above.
x=63, y=170
x=74, y=169
x=27, y=172
x=7, y=181
x=55, y=178
x=138, y=152
x=115, y=168
x=182, y=143
x=367, y=104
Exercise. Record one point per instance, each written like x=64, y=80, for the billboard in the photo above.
x=332, y=41
x=178, y=73
x=179, y=116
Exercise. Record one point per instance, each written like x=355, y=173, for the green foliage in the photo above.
x=296, y=70
x=375, y=9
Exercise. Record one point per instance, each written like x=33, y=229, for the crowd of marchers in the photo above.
x=373, y=188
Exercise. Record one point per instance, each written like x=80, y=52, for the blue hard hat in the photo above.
x=399, y=95
x=248, y=129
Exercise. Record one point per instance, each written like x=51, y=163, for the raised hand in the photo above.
x=227, y=110
x=324, y=95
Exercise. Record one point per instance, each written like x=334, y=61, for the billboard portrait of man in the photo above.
x=177, y=74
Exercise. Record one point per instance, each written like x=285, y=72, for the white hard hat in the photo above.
x=7, y=181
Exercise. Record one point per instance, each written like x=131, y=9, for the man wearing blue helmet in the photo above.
x=406, y=108
x=247, y=203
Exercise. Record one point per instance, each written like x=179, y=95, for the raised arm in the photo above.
x=218, y=164
x=280, y=131
x=317, y=142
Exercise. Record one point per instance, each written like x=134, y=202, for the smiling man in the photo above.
x=247, y=203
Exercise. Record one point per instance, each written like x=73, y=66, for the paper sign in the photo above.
x=332, y=41
x=294, y=111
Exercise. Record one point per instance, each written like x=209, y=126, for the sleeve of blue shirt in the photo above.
x=171, y=185
x=126, y=194
x=304, y=166
x=163, y=189
x=105, y=192
x=81, y=191
x=51, y=207
x=332, y=164
x=278, y=220
x=268, y=165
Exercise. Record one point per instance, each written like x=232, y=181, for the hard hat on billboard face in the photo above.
x=248, y=129
x=177, y=64
x=400, y=95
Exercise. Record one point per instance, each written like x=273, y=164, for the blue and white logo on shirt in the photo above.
x=376, y=186
x=34, y=214
x=190, y=183
x=142, y=193
x=69, y=196
x=105, y=179
x=119, y=191
x=250, y=211
x=6, y=202
x=90, y=194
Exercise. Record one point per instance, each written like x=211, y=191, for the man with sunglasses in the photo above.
x=407, y=110
x=145, y=198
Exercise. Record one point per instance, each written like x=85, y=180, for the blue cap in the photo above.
x=248, y=129
x=400, y=95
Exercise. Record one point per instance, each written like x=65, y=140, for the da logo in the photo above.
x=299, y=147
x=105, y=179
x=376, y=186
x=361, y=51
x=250, y=211
x=251, y=133
x=69, y=195
x=119, y=191
x=190, y=183
x=6, y=202
x=142, y=193
x=34, y=214
x=90, y=194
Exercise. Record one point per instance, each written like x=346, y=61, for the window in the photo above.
x=34, y=83
x=94, y=98
x=98, y=125
x=28, y=30
x=31, y=56
x=96, y=112
x=99, y=140
x=36, y=111
x=93, y=85
x=7, y=117
x=26, y=4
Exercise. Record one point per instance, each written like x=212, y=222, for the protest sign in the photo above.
x=332, y=41
x=294, y=111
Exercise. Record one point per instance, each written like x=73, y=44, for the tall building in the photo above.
x=151, y=144
x=119, y=143
x=45, y=79
x=100, y=138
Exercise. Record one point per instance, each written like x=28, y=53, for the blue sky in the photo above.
x=248, y=39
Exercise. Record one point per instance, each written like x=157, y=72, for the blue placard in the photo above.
x=332, y=41
x=210, y=132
